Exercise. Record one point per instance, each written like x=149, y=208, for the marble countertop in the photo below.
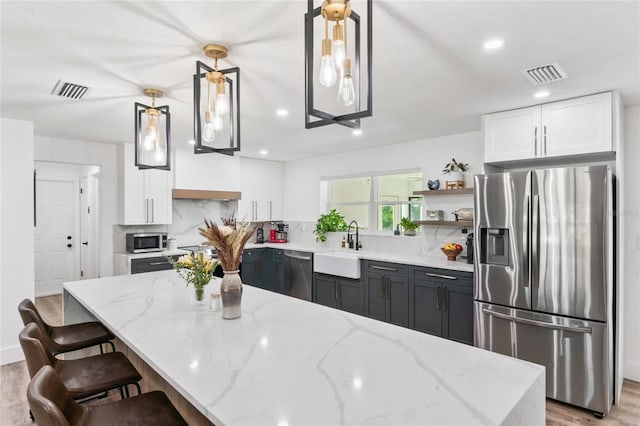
x=292, y=362
x=439, y=261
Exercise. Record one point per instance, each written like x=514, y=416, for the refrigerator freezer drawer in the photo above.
x=574, y=352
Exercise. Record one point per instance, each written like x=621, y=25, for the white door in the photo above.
x=55, y=242
x=512, y=135
x=577, y=126
x=88, y=227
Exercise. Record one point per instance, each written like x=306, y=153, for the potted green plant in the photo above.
x=330, y=222
x=455, y=170
x=409, y=226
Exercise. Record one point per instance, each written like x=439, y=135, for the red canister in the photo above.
x=272, y=235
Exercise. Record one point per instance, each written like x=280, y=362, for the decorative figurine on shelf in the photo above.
x=455, y=171
x=433, y=185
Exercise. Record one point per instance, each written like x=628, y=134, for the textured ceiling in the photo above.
x=431, y=75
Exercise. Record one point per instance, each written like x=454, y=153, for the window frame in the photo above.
x=373, y=203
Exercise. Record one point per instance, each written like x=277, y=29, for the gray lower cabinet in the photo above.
x=250, y=267
x=388, y=292
x=338, y=292
x=151, y=264
x=442, y=303
x=276, y=277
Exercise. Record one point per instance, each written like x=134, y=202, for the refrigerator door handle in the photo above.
x=535, y=242
x=526, y=260
x=573, y=328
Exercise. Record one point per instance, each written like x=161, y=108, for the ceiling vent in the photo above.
x=69, y=90
x=544, y=74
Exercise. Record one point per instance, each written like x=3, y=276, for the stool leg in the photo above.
x=31, y=416
x=121, y=392
x=126, y=390
x=101, y=350
x=113, y=347
x=138, y=387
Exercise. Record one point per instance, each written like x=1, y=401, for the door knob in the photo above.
x=86, y=243
x=68, y=237
x=69, y=245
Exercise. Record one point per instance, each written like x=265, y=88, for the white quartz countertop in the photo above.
x=291, y=362
x=439, y=261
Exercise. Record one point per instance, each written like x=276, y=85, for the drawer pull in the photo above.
x=158, y=263
x=383, y=268
x=447, y=277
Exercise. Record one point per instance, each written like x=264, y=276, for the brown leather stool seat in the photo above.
x=66, y=338
x=52, y=405
x=82, y=377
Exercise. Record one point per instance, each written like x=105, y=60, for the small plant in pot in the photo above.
x=454, y=171
x=330, y=222
x=409, y=226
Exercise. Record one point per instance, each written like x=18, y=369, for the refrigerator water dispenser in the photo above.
x=494, y=246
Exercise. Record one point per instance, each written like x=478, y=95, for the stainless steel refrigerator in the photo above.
x=544, y=276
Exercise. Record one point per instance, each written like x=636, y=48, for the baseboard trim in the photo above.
x=11, y=354
x=632, y=371
x=49, y=293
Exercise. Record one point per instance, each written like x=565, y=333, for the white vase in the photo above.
x=231, y=294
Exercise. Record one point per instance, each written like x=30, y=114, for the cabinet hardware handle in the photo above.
x=382, y=288
x=270, y=210
x=438, y=298
x=146, y=210
x=535, y=141
x=153, y=210
x=337, y=292
x=444, y=298
x=577, y=329
x=383, y=268
x=158, y=263
x=545, y=140
x=447, y=277
x=334, y=291
x=388, y=290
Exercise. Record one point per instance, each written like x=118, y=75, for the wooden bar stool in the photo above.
x=84, y=377
x=52, y=405
x=66, y=338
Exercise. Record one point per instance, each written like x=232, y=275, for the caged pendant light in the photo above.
x=216, y=103
x=343, y=60
x=152, y=133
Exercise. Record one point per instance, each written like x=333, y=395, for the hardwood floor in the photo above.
x=15, y=411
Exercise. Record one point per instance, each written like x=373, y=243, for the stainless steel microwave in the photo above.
x=147, y=242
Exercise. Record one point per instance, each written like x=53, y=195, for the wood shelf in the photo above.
x=445, y=192
x=462, y=223
x=198, y=194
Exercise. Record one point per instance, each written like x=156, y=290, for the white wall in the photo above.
x=631, y=250
x=302, y=177
x=97, y=154
x=16, y=231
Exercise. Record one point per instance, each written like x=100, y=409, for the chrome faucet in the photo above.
x=350, y=240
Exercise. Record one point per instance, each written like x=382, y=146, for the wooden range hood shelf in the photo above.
x=199, y=194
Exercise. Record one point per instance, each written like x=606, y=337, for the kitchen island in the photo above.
x=291, y=362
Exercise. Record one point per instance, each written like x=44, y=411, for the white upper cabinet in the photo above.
x=261, y=187
x=144, y=195
x=511, y=135
x=572, y=127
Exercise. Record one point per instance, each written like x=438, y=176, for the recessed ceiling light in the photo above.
x=357, y=132
x=282, y=112
x=541, y=94
x=493, y=44
x=263, y=152
x=191, y=142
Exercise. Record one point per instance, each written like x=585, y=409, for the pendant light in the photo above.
x=152, y=133
x=342, y=61
x=216, y=102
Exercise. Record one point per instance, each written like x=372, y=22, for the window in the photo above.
x=376, y=202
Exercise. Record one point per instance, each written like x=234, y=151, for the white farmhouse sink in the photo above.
x=340, y=263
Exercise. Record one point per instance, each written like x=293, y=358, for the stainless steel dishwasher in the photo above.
x=298, y=274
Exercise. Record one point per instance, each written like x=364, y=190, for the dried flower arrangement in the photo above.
x=228, y=239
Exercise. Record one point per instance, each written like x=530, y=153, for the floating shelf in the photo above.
x=462, y=223
x=445, y=192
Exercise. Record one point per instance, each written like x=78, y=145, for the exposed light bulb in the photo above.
x=218, y=124
x=158, y=155
x=208, y=132
x=346, y=91
x=222, y=106
x=328, y=75
x=338, y=52
x=151, y=138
